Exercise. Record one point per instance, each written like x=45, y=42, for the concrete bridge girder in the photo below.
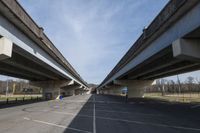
x=21, y=44
x=26, y=52
x=180, y=28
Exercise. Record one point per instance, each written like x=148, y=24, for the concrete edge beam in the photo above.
x=6, y=47
x=187, y=49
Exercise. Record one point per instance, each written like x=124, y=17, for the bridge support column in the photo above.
x=100, y=91
x=72, y=90
x=65, y=92
x=114, y=89
x=105, y=92
x=78, y=92
x=51, y=89
x=135, y=87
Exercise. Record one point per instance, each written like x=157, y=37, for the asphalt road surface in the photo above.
x=100, y=114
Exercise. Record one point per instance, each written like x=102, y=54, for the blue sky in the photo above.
x=93, y=35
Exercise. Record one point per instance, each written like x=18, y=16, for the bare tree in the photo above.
x=198, y=82
x=189, y=82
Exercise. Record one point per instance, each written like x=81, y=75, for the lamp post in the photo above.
x=7, y=88
x=179, y=86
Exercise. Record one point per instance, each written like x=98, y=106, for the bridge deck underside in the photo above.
x=164, y=64
x=161, y=65
x=21, y=66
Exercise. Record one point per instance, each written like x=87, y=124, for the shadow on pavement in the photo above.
x=83, y=121
x=14, y=103
x=171, y=113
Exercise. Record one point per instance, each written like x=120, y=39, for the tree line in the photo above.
x=18, y=87
x=165, y=86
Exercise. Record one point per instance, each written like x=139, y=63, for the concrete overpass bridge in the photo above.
x=169, y=45
x=26, y=52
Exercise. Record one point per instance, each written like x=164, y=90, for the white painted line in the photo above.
x=26, y=118
x=94, y=100
x=195, y=106
x=151, y=124
x=129, y=121
x=123, y=120
x=94, y=116
x=47, y=123
x=56, y=125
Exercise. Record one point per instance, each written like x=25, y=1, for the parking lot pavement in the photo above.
x=100, y=114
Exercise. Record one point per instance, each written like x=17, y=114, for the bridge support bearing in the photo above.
x=5, y=48
x=135, y=87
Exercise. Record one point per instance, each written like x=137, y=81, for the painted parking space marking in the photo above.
x=94, y=116
x=150, y=124
x=137, y=122
x=195, y=106
x=55, y=125
x=92, y=111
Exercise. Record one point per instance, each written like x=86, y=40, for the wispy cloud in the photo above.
x=93, y=34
